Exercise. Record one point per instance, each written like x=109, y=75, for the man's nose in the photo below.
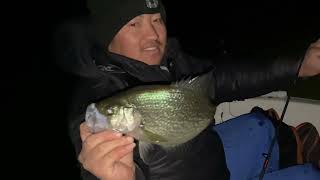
x=151, y=32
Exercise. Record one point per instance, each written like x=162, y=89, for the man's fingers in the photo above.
x=127, y=158
x=91, y=140
x=103, y=148
x=84, y=131
x=106, y=147
x=98, y=138
x=121, y=152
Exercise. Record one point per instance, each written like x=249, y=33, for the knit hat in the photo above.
x=109, y=16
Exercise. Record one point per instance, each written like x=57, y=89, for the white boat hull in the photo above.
x=299, y=109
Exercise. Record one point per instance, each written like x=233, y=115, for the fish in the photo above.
x=161, y=114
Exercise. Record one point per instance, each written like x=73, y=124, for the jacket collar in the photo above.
x=115, y=63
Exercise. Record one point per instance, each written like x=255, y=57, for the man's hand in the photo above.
x=311, y=63
x=107, y=155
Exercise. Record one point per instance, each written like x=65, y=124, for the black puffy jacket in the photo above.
x=102, y=74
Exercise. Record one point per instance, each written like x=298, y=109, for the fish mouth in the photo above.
x=96, y=121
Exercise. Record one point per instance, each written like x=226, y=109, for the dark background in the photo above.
x=41, y=91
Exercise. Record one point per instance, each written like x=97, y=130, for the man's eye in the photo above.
x=133, y=24
x=159, y=20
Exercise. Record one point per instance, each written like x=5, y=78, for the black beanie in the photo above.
x=109, y=16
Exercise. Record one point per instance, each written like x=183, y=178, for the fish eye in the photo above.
x=109, y=111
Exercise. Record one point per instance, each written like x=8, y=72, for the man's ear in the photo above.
x=109, y=46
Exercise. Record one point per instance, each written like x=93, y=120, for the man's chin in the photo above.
x=153, y=59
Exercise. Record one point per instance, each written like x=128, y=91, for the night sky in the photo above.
x=41, y=91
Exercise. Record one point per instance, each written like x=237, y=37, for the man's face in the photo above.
x=144, y=39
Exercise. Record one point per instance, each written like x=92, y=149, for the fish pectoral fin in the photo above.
x=152, y=154
x=181, y=151
x=145, y=151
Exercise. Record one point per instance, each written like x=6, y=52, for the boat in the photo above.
x=299, y=109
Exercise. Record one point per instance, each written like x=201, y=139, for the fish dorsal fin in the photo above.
x=198, y=83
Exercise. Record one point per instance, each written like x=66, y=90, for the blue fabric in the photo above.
x=245, y=139
x=300, y=172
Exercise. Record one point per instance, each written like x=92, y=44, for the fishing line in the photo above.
x=268, y=155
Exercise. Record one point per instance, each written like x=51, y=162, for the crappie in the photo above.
x=166, y=115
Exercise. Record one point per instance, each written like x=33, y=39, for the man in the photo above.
x=126, y=45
